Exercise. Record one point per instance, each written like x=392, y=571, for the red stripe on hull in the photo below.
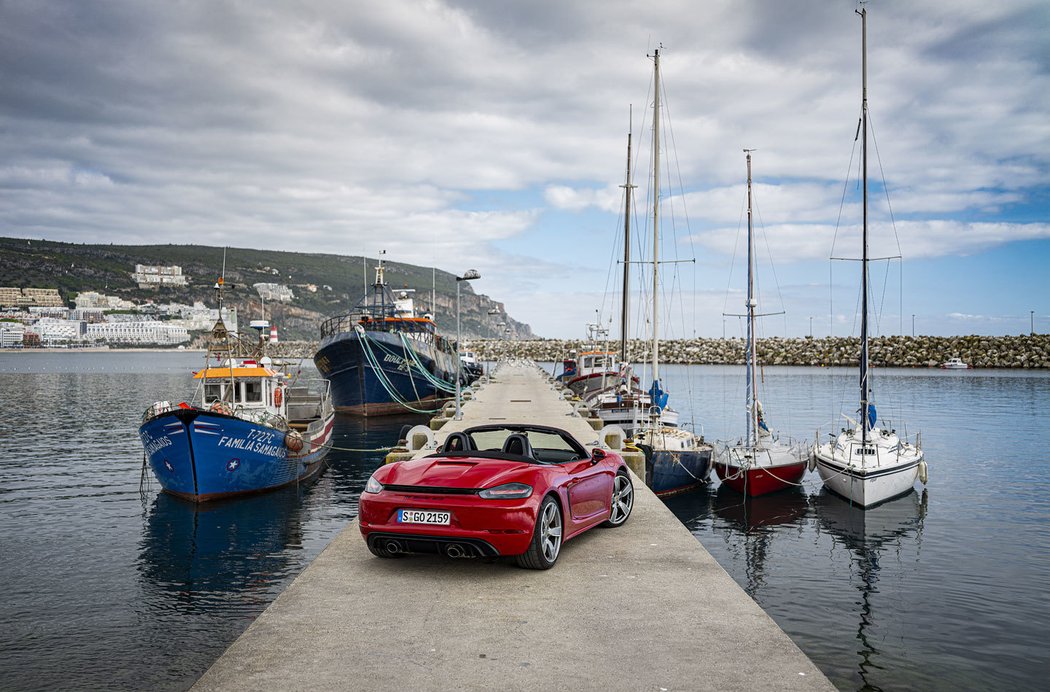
x=760, y=480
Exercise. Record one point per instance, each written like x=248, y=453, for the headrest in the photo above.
x=517, y=443
x=457, y=442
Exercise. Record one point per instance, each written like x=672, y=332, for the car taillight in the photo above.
x=373, y=486
x=507, y=491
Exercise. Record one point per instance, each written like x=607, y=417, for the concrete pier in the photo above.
x=640, y=607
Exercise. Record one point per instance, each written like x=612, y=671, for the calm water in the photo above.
x=109, y=585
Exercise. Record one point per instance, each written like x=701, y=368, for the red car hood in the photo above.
x=455, y=472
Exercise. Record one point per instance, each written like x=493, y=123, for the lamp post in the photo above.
x=1031, y=314
x=811, y=326
x=913, y=325
x=468, y=275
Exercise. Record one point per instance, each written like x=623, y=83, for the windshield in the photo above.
x=548, y=445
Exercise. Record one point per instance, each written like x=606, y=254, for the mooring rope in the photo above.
x=377, y=368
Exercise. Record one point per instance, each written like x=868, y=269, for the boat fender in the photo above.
x=293, y=440
x=924, y=474
x=813, y=461
x=278, y=396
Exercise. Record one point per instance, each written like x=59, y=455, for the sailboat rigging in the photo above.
x=676, y=459
x=760, y=463
x=865, y=463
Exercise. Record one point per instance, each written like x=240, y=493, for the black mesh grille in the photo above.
x=431, y=490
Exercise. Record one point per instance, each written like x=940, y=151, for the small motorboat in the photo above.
x=954, y=364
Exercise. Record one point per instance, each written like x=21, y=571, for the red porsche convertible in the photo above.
x=495, y=490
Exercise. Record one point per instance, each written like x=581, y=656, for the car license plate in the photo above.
x=419, y=516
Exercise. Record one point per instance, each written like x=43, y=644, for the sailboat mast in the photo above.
x=750, y=350
x=626, y=253
x=864, y=388
x=656, y=214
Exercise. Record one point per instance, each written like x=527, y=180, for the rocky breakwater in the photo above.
x=887, y=351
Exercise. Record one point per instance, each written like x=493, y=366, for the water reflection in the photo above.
x=870, y=535
x=751, y=527
x=195, y=557
x=235, y=554
x=693, y=508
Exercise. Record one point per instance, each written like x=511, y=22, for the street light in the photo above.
x=913, y=325
x=468, y=275
x=811, y=326
x=1032, y=316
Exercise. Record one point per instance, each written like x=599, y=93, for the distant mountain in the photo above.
x=338, y=282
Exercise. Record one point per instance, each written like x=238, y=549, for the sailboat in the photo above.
x=676, y=459
x=760, y=463
x=865, y=463
x=620, y=400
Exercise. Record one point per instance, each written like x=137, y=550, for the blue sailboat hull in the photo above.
x=669, y=473
x=200, y=455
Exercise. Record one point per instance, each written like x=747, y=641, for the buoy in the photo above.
x=293, y=440
x=923, y=472
x=278, y=396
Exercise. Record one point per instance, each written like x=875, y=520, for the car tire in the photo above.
x=622, y=501
x=546, y=537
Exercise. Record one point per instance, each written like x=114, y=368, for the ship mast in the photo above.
x=864, y=388
x=750, y=352
x=656, y=216
x=626, y=254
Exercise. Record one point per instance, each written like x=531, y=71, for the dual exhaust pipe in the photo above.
x=456, y=551
x=452, y=550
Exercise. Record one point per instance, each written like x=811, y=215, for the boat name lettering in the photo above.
x=261, y=436
x=252, y=446
x=396, y=360
x=154, y=445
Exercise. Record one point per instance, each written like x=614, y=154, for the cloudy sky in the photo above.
x=491, y=134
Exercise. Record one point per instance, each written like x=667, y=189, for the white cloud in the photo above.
x=443, y=130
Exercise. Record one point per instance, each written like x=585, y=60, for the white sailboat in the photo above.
x=676, y=459
x=865, y=463
x=760, y=462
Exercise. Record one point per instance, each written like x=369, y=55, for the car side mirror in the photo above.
x=597, y=455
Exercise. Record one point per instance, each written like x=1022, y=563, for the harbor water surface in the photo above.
x=111, y=585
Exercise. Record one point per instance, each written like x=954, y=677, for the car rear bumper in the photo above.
x=451, y=546
x=488, y=527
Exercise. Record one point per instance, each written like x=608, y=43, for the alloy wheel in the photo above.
x=622, y=500
x=550, y=532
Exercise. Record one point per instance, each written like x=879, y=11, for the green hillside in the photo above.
x=339, y=280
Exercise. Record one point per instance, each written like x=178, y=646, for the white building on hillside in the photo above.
x=151, y=275
x=55, y=330
x=278, y=292
x=91, y=299
x=141, y=332
x=11, y=334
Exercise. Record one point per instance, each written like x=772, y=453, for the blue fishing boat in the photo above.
x=251, y=427
x=381, y=358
